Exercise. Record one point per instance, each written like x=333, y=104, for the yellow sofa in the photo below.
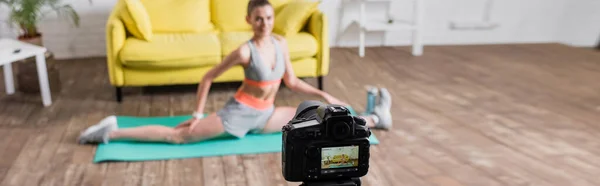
x=189, y=37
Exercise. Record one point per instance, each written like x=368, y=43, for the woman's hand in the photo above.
x=189, y=124
x=193, y=124
x=185, y=123
x=332, y=100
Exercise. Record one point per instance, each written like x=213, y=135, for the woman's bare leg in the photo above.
x=208, y=127
x=150, y=133
x=282, y=115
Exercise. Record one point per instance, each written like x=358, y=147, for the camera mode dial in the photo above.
x=361, y=121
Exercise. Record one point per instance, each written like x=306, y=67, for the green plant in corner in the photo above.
x=26, y=14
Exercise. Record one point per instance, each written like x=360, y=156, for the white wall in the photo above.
x=573, y=22
x=580, y=24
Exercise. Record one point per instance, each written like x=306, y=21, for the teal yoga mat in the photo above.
x=127, y=150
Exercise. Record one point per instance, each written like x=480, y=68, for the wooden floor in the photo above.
x=463, y=116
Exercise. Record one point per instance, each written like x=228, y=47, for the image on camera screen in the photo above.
x=339, y=157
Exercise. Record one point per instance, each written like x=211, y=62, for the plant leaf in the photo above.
x=64, y=11
x=68, y=10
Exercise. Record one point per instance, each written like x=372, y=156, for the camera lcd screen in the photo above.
x=339, y=157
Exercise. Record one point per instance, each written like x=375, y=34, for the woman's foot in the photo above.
x=383, y=110
x=99, y=133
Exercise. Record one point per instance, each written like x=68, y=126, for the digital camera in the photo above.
x=324, y=142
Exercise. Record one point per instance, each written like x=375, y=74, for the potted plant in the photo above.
x=26, y=15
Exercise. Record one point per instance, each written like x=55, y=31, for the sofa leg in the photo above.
x=119, y=94
x=320, y=82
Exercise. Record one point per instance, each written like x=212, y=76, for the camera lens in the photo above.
x=307, y=110
x=340, y=130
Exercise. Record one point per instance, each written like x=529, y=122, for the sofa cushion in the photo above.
x=136, y=19
x=293, y=17
x=301, y=45
x=306, y=67
x=278, y=4
x=172, y=50
x=179, y=16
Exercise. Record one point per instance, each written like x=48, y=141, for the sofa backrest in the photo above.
x=230, y=15
x=179, y=15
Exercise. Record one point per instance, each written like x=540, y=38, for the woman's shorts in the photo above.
x=239, y=119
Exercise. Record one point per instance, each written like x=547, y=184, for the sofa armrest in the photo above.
x=115, y=39
x=318, y=27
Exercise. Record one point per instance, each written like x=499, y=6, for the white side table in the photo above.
x=9, y=56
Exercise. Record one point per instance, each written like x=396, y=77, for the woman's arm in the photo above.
x=290, y=79
x=239, y=56
x=236, y=57
x=296, y=84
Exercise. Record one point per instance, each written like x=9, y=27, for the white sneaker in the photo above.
x=383, y=110
x=99, y=133
x=385, y=99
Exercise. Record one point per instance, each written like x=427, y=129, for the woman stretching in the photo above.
x=266, y=62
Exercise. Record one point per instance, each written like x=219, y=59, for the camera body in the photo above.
x=324, y=142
